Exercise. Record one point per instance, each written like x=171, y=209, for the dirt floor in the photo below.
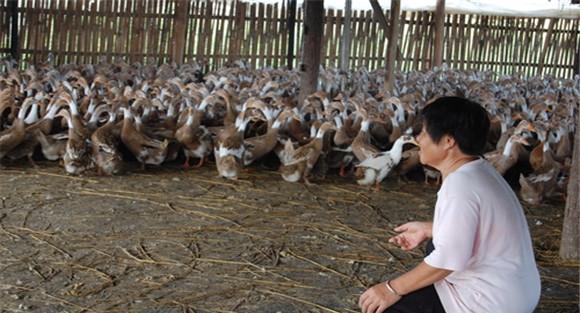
x=169, y=240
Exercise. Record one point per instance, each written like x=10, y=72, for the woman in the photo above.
x=482, y=258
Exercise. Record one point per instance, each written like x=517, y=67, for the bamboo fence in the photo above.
x=215, y=32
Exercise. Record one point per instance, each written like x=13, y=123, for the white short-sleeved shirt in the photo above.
x=481, y=234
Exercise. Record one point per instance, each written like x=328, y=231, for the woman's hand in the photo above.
x=412, y=234
x=377, y=299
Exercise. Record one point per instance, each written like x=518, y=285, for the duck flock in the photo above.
x=96, y=118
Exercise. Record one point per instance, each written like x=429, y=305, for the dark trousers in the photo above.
x=424, y=300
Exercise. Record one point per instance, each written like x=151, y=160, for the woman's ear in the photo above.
x=449, y=142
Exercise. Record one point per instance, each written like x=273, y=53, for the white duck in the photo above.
x=376, y=168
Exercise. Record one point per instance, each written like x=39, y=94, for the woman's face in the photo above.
x=430, y=153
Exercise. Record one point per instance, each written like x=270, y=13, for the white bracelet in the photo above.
x=391, y=289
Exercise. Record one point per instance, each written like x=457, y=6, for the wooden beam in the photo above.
x=313, y=23
x=439, y=29
x=379, y=15
x=180, y=25
x=14, y=44
x=570, y=241
x=290, y=22
x=392, y=47
x=346, y=37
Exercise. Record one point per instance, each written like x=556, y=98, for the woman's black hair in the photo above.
x=464, y=120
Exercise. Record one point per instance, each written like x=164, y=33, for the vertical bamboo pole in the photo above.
x=313, y=18
x=291, y=22
x=392, y=47
x=439, y=20
x=346, y=36
x=178, y=38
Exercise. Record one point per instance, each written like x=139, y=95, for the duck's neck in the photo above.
x=508, y=148
x=396, y=151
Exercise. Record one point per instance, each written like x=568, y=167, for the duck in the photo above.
x=341, y=140
x=298, y=163
x=376, y=168
x=105, y=144
x=146, y=149
x=229, y=148
x=11, y=137
x=536, y=187
x=505, y=160
x=259, y=146
x=195, y=138
x=77, y=158
x=27, y=146
x=361, y=145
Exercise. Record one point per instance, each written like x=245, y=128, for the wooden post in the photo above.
x=180, y=25
x=345, y=43
x=392, y=47
x=14, y=44
x=379, y=15
x=312, y=36
x=290, y=22
x=439, y=28
x=570, y=241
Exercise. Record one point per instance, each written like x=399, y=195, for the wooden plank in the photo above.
x=557, y=49
x=462, y=55
x=366, y=39
x=326, y=55
x=167, y=30
x=283, y=35
x=469, y=41
x=454, y=62
x=418, y=39
x=490, y=58
x=415, y=23
x=229, y=31
x=429, y=41
x=525, y=46
x=300, y=35
x=517, y=41
x=400, y=41
x=506, y=45
x=268, y=49
x=194, y=38
x=359, y=38
x=279, y=40
x=253, y=52
x=224, y=31
x=566, y=41
x=336, y=42
x=572, y=52
x=237, y=30
x=83, y=32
